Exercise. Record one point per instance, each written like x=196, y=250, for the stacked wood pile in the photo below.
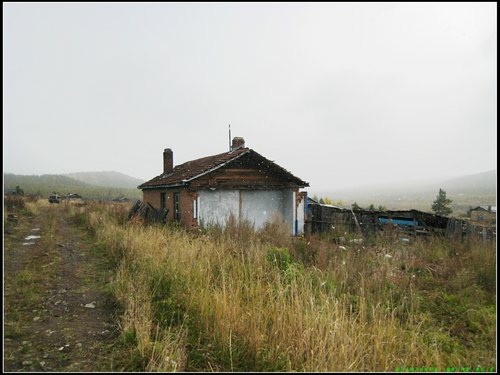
x=148, y=213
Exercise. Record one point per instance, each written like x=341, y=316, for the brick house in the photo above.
x=239, y=182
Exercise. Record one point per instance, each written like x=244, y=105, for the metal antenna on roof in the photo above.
x=229, y=137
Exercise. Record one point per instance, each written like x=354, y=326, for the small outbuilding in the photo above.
x=239, y=183
x=483, y=214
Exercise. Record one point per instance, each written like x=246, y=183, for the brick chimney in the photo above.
x=237, y=143
x=168, y=161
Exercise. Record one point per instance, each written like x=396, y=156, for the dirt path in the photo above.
x=58, y=314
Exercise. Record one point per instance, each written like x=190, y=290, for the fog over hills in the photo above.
x=486, y=182
x=108, y=179
x=465, y=191
x=470, y=190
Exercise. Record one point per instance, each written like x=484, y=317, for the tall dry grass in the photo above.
x=237, y=300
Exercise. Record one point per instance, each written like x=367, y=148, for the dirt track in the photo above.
x=58, y=315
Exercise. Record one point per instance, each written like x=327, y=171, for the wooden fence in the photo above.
x=321, y=218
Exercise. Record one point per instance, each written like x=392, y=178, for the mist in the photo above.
x=340, y=94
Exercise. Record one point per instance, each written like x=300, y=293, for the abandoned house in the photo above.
x=240, y=182
x=485, y=214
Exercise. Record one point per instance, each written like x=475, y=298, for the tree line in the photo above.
x=45, y=185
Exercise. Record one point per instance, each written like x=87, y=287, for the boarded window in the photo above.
x=163, y=202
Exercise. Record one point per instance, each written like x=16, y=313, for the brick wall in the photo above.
x=152, y=197
x=186, y=198
x=186, y=205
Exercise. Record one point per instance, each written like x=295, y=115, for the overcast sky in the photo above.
x=339, y=94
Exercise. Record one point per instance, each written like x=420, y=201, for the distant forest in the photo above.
x=44, y=185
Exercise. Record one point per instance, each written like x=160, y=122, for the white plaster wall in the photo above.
x=216, y=206
x=288, y=209
x=261, y=206
x=300, y=216
x=256, y=206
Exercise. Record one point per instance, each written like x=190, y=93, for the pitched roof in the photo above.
x=184, y=173
x=485, y=208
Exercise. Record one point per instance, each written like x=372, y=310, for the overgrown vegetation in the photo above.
x=237, y=300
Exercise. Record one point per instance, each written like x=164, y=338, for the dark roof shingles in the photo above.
x=192, y=169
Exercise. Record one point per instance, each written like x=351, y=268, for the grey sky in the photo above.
x=340, y=94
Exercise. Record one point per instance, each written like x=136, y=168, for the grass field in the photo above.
x=234, y=299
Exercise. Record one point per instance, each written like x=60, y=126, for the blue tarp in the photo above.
x=399, y=221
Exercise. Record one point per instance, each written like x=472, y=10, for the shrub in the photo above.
x=279, y=257
x=13, y=202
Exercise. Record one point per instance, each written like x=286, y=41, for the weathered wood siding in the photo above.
x=324, y=218
x=238, y=178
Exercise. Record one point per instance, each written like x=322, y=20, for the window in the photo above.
x=177, y=209
x=163, y=202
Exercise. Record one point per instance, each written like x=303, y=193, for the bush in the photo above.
x=280, y=257
x=13, y=202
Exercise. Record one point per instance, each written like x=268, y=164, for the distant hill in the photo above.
x=465, y=191
x=109, y=179
x=485, y=182
x=44, y=185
